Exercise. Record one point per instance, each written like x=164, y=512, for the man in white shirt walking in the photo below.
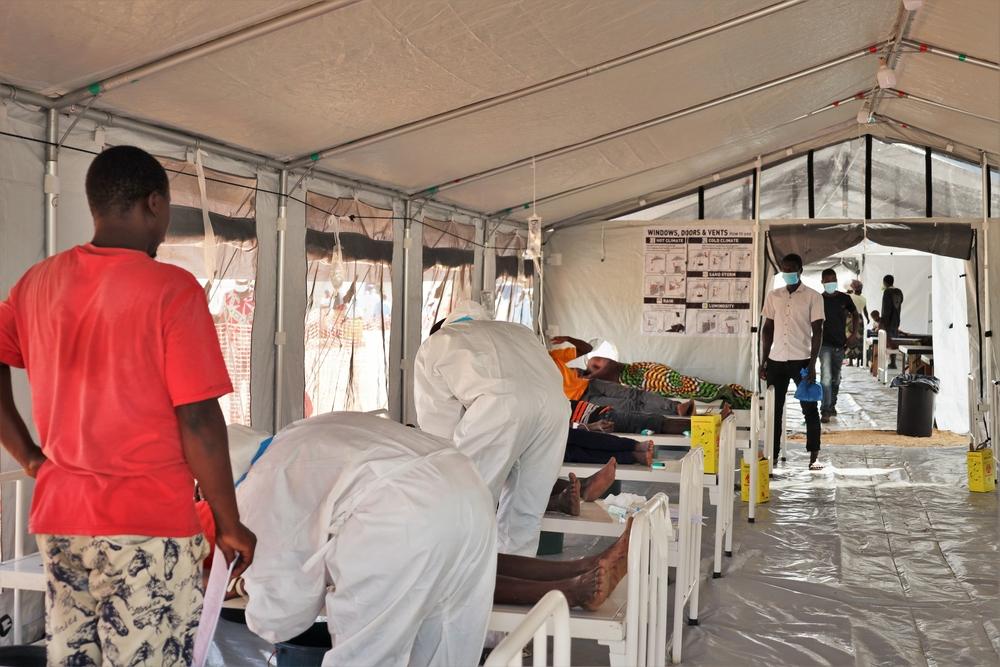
x=793, y=333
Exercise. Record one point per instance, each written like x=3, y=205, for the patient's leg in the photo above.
x=565, y=496
x=586, y=582
x=588, y=590
x=598, y=484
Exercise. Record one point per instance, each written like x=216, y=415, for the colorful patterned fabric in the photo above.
x=665, y=381
x=122, y=600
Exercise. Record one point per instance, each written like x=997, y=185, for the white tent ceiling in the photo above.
x=369, y=66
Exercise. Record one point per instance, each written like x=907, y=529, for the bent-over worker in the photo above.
x=390, y=529
x=491, y=388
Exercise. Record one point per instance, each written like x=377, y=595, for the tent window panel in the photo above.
x=682, y=208
x=898, y=185
x=784, y=190
x=348, y=305
x=232, y=210
x=994, y=193
x=839, y=180
x=448, y=261
x=514, y=289
x=730, y=201
x=957, y=187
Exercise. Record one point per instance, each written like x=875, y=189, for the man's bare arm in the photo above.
x=767, y=337
x=206, y=449
x=582, y=347
x=14, y=432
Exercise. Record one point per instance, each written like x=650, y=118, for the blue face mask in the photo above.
x=830, y=287
x=790, y=278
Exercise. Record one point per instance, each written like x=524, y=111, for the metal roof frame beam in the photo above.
x=482, y=105
x=205, y=48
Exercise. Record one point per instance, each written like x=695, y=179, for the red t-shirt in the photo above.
x=112, y=341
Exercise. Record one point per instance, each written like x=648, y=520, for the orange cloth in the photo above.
x=573, y=384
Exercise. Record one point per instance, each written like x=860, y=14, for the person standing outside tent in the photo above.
x=792, y=335
x=840, y=329
x=125, y=372
x=492, y=389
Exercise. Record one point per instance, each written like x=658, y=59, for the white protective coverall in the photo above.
x=492, y=388
x=391, y=528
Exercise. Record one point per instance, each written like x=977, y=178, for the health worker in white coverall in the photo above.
x=390, y=530
x=492, y=389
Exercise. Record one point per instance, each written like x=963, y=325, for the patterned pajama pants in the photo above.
x=122, y=600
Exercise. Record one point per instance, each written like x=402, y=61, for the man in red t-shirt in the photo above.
x=125, y=372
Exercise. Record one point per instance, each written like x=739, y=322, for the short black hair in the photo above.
x=889, y=280
x=436, y=327
x=794, y=259
x=829, y=272
x=121, y=176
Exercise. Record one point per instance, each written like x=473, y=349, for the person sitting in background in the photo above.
x=666, y=381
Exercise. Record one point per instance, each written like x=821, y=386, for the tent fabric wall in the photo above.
x=597, y=293
x=912, y=274
x=951, y=343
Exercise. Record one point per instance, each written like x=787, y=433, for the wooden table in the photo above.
x=915, y=351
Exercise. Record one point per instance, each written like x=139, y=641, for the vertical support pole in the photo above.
x=752, y=454
x=477, y=263
x=868, y=177
x=987, y=350
x=50, y=184
x=413, y=247
x=19, y=529
x=811, y=180
x=701, y=202
x=279, y=315
x=928, y=183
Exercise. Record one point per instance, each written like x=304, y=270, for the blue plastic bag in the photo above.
x=809, y=393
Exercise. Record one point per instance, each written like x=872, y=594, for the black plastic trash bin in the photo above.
x=915, y=405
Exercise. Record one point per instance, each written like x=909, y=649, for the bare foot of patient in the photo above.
x=598, y=484
x=569, y=499
x=685, y=409
x=615, y=557
x=644, y=452
x=594, y=587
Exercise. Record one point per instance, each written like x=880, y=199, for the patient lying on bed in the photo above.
x=666, y=381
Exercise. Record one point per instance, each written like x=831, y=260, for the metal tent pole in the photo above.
x=645, y=125
x=948, y=53
x=50, y=183
x=279, y=313
x=987, y=350
x=755, y=281
x=206, y=48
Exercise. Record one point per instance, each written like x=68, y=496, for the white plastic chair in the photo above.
x=535, y=628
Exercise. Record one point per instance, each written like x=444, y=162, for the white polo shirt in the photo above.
x=793, y=314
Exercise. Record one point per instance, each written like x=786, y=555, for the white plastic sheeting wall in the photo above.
x=951, y=343
x=596, y=292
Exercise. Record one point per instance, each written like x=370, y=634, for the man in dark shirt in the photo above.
x=892, y=306
x=841, y=326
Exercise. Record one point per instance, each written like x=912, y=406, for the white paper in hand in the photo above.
x=215, y=595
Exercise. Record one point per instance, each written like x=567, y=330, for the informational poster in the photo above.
x=696, y=281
